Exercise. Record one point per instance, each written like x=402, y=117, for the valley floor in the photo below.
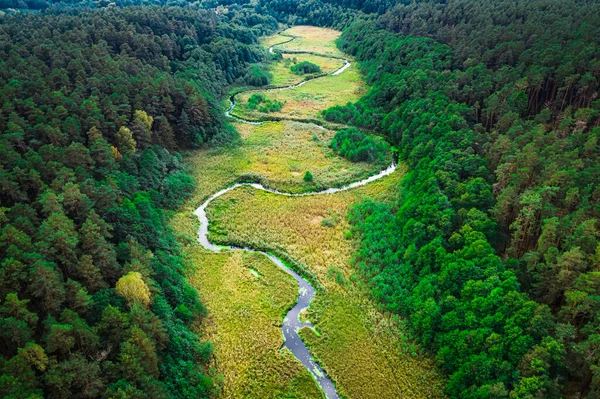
x=364, y=351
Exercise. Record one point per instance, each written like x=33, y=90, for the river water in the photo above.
x=306, y=292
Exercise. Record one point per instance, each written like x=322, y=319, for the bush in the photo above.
x=308, y=177
x=256, y=76
x=358, y=147
x=269, y=106
x=256, y=99
x=276, y=56
x=305, y=67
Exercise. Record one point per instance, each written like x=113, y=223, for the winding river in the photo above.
x=337, y=72
x=306, y=292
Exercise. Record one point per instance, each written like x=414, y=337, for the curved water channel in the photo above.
x=337, y=72
x=306, y=292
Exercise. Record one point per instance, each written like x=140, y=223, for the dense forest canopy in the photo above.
x=494, y=107
x=94, y=105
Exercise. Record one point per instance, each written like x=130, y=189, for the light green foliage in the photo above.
x=125, y=141
x=133, y=289
x=263, y=104
x=34, y=354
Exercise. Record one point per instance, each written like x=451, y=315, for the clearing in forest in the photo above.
x=308, y=38
x=364, y=351
x=283, y=75
x=315, y=95
x=281, y=153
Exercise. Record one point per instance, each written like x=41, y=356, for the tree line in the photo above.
x=94, y=106
x=492, y=253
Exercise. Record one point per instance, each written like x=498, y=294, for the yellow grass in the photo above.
x=283, y=76
x=281, y=152
x=364, y=351
x=313, y=39
x=247, y=297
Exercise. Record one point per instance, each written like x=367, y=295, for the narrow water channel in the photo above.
x=232, y=97
x=306, y=292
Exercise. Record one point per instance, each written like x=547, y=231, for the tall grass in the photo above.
x=366, y=352
x=313, y=39
x=247, y=297
x=280, y=153
x=309, y=99
x=283, y=76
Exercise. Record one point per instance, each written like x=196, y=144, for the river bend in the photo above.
x=306, y=292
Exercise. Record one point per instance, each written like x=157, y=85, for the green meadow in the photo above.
x=366, y=352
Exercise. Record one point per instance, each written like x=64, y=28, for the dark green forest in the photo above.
x=491, y=252
x=94, y=106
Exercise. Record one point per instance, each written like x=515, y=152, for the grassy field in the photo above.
x=272, y=40
x=309, y=99
x=245, y=312
x=283, y=76
x=247, y=297
x=280, y=152
x=308, y=38
x=366, y=352
x=316, y=95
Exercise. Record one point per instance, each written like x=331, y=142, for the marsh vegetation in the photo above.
x=356, y=344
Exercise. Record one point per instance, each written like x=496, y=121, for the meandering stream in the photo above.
x=337, y=72
x=306, y=292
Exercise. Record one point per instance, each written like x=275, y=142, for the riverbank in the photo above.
x=363, y=350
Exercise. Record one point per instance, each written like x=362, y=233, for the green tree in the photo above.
x=125, y=141
x=308, y=177
x=141, y=130
x=133, y=288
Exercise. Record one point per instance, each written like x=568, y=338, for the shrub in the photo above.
x=256, y=76
x=268, y=106
x=256, y=99
x=308, y=177
x=305, y=67
x=358, y=147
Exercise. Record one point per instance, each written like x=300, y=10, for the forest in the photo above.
x=492, y=253
x=95, y=105
x=490, y=249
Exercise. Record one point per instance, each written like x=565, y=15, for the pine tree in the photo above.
x=141, y=130
x=125, y=141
